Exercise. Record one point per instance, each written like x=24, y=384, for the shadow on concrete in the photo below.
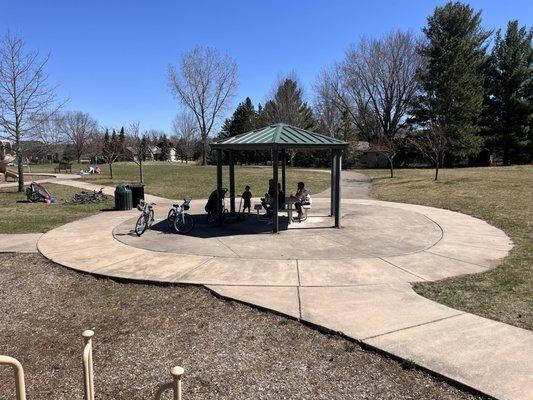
x=232, y=226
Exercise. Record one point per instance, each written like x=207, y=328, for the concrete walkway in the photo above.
x=355, y=281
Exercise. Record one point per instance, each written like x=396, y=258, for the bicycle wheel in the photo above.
x=184, y=223
x=151, y=218
x=141, y=225
x=171, y=218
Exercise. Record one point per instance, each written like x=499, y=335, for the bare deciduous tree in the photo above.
x=137, y=146
x=26, y=99
x=376, y=84
x=186, y=132
x=111, y=149
x=328, y=109
x=350, y=99
x=79, y=128
x=383, y=73
x=204, y=83
x=50, y=135
x=432, y=143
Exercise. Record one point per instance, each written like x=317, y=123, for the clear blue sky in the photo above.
x=110, y=58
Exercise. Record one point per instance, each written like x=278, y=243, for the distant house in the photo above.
x=5, y=148
x=157, y=151
x=153, y=153
x=371, y=157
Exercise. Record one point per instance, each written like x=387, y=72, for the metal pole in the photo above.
x=332, y=185
x=338, y=166
x=219, y=186
x=232, y=181
x=177, y=372
x=283, y=175
x=276, y=189
x=88, y=373
x=20, y=385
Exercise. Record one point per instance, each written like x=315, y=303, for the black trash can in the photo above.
x=123, y=199
x=137, y=193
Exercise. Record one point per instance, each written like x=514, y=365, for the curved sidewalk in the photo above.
x=366, y=297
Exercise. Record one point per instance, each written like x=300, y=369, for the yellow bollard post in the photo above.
x=88, y=373
x=177, y=372
x=19, y=375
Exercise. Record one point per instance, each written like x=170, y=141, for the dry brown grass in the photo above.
x=17, y=215
x=503, y=196
x=228, y=350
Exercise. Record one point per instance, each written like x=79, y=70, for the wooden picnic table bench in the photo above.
x=63, y=166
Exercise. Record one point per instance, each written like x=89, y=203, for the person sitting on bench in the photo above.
x=266, y=201
x=302, y=198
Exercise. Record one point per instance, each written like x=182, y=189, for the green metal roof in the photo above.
x=280, y=135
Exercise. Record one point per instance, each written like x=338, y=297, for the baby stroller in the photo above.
x=37, y=193
x=211, y=206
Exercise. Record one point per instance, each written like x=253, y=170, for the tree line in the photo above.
x=454, y=94
x=442, y=96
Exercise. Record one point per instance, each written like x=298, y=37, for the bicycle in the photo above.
x=178, y=219
x=146, y=219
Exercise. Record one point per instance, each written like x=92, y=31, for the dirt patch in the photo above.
x=228, y=350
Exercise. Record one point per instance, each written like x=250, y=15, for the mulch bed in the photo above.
x=228, y=350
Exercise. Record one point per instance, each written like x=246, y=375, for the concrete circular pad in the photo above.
x=355, y=280
x=368, y=231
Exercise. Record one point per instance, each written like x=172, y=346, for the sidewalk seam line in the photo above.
x=229, y=248
x=192, y=269
x=298, y=291
x=95, y=271
x=456, y=259
x=414, y=326
x=403, y=269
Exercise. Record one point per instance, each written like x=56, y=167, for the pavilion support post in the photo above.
x=219, y=186
x=283, y=174
x=275, y=205
x=231, y=159
x=332, y=185
x=338, y=166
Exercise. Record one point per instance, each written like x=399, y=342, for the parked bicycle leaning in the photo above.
x=146, y=219
x=178, y=219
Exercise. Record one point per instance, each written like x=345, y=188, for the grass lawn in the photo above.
x=503, y=196
x=176, y=181
x=19, y=216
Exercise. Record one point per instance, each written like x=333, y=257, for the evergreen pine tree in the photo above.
x=144, y=147
x=288, y=106
x=243, y=120
x=509, y=112
x=122, y=140
x=452, y=87
x=165, y=148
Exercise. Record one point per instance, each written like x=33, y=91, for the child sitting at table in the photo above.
x=247, y=197
x=302, y=198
